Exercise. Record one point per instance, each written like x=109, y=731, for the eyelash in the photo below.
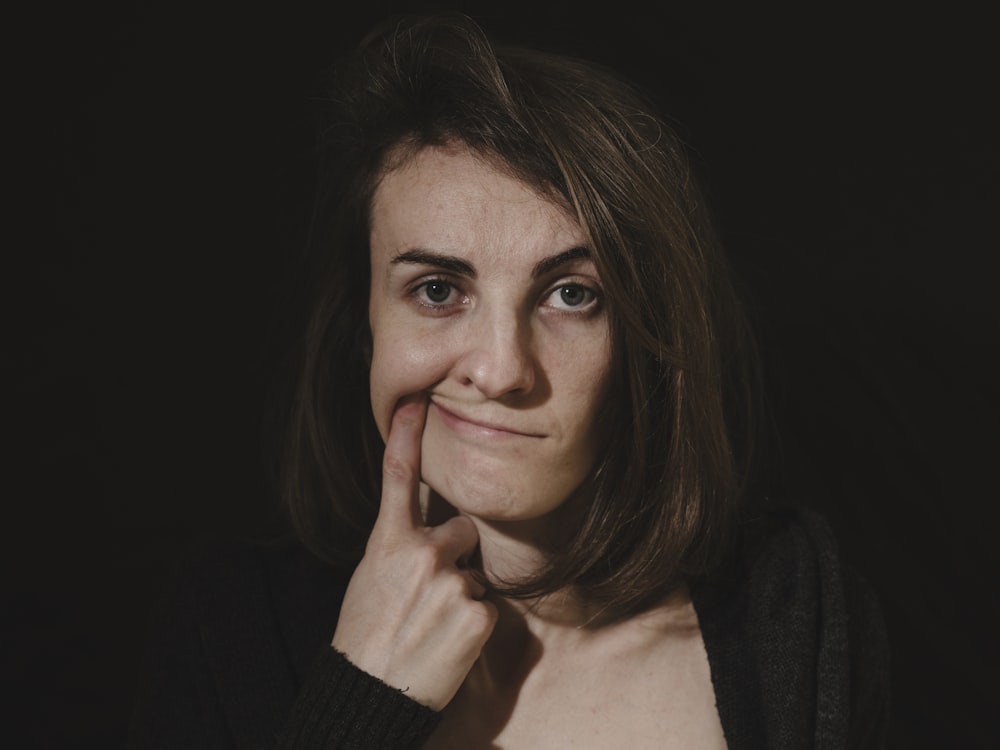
x=592, y=296
x=418, y=293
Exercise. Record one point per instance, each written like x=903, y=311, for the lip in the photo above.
x=465, y=425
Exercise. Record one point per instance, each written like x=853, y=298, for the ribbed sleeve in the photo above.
x=342, y=707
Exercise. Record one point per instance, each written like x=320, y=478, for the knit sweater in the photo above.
x=239, y=655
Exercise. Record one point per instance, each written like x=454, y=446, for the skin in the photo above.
x=483, y=299
x=410, y=615
x=491, y=359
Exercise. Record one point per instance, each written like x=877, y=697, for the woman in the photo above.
x=519, y=448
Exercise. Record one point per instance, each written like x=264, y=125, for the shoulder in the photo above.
x=800, y=634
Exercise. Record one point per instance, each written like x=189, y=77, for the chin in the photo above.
x=507, y=495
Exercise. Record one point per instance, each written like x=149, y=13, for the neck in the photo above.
x=513, y=551
x=558, y=631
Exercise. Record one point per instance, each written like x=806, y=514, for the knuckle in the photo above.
x=464, y=525
x=482, y=616
x=425, y=558
x=455, y=587
x=406, y=419
x=395, y=467
x=461, y=531
x=438, y=541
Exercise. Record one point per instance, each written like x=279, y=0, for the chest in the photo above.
x=660, y=698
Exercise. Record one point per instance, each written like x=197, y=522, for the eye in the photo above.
x=437, y=291
x=436, y=294
x=571, y=297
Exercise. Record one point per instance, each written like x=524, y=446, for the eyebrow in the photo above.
x=546, y=265
x=422, y=257
x=426, y=258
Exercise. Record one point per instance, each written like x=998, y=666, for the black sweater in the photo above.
x=239, y=655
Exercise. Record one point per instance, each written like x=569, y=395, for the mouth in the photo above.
x=477, y=427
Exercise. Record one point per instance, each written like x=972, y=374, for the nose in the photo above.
x=497, y=358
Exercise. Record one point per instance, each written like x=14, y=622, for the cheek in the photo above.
x=580, y=374
x=584, y=407
x=402, y=364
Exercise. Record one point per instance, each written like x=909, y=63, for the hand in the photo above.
x=411, y=616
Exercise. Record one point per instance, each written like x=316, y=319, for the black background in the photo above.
x=851, y=158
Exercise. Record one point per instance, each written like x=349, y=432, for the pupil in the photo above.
x=571, y=295
x=437, y=292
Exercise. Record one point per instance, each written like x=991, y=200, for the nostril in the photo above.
x=497, y=358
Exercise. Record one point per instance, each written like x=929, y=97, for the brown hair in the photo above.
x=666, y=493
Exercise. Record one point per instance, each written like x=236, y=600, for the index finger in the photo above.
x=400, y=504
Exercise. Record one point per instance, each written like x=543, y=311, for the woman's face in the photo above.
x=483, y=296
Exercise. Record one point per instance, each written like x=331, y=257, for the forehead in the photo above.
x=451, y=199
